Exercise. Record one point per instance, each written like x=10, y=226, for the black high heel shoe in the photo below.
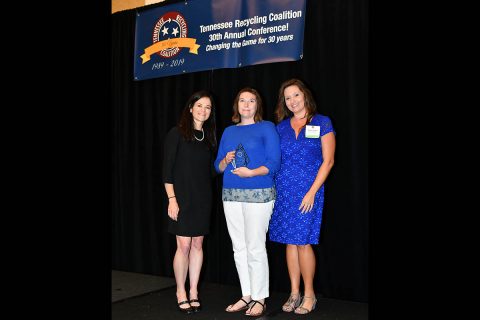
x=196, y=308
x=188, y=310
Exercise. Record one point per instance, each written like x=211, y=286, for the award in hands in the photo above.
x=241, y=157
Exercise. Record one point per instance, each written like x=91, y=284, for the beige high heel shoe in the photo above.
x=292, y=302
x=303, y=310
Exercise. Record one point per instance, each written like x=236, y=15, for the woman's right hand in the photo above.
x=229, y=157
x=307, y=202
x=173, y=209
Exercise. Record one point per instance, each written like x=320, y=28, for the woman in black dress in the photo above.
x=187, y=175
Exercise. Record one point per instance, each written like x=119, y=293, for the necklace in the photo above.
x=203, y=135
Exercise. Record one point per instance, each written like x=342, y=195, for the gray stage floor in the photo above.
x=129, y=284
x=138, y=296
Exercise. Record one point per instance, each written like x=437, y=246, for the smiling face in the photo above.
x=247, y=106
x=295, y=100
x=201, y=110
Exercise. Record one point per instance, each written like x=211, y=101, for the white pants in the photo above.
x=247, y=225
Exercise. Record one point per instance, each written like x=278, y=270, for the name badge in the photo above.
x=312, y=132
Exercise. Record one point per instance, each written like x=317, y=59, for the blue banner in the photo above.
x=202, y=35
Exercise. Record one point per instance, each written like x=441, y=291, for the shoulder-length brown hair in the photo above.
x=281, y=111
x=185, y=124
x=258, y=112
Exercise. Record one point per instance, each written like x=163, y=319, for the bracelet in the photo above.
x=171, y=197
x=225, y=159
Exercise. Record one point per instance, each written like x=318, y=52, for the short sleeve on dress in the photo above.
x=326, y=126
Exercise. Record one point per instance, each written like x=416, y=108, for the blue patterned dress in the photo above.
x=301, y=159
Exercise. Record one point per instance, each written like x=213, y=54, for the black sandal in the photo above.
x=196, y=308
x=247, y=304
x=188, y=310
x=264, y=305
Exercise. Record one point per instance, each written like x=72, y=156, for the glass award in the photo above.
x=241, y=157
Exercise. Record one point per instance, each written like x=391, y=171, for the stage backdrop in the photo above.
x=334, y=65
x=201, y=35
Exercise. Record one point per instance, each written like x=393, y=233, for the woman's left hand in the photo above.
x=307, y=202
x=243, y=172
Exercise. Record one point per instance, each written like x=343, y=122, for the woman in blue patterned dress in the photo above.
x=249, y=157
x=307, y=144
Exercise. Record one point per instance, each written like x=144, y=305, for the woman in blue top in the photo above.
x=307, y=143
x=250, y=152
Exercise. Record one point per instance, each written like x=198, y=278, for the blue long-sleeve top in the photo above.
x=262, y=146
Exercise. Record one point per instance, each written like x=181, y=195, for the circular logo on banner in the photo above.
x=171, y=25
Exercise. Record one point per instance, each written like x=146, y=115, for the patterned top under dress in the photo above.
x=256, y=145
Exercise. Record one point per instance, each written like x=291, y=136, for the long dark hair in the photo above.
x=185, y=125
x=258, y=113
x=282, y=111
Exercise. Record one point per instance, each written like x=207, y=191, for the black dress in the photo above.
x=188, y=165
